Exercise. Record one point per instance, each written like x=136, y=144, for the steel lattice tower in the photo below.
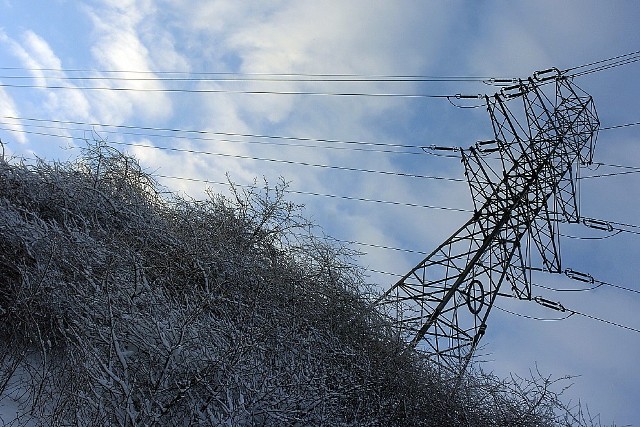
x=523, y=184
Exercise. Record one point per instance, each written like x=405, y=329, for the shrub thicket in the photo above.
x=121, y=306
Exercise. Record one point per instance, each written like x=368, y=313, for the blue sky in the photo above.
x=365, y=38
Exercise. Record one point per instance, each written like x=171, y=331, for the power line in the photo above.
x=188, y=76
x=583, y=278
x=630, y=170
x=259, y=78
x=589, y=64
x=359, y=148
x=607, y=67
x=542, y=319
x=378, y=246
x=229, y=91
x=604, y=64
x=145, y=129
x=335, y=196
x=622, y=224
x=387, y=202
x=423, y=148
x=615, y=233
x=181, y=76
x=191, y=76
x=596, y=284
x=599, y=319
x=620, y=126
x=386, y=273
x=322, y=77
x=197, y=135
x=613, y=165
x=297, y=163
x=217, y=133
x=265, y=159
x=570, y=313
x=605, y=175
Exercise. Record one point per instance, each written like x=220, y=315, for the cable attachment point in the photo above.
x=581, y=277
x=440, y=148
x=514, y=91
x=553, y=305
x=545, y=75
x=450, y=98
x=598, y=224
x=489, y=146
x=460, y=96
x=500, y=82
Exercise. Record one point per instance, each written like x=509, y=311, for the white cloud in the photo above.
x=8, y=109
x=311, y=37
x=118, y=46
x=46, y=68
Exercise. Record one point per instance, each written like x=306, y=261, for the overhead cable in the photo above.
x=229, y=91
x=377, y=246
x=569, y=314
x=583, y=278
x=192, y=76
x=217, y=133
x=542, y=319
x=604, y=64
x=222, y=74
x=629, y=170
x=609, y=322
x=297, y=163
x=625, y=125
x=386, y=202
x=609, y=174
x=131, y=76
x=271, y=143
x=334, y=196
x=265, y=159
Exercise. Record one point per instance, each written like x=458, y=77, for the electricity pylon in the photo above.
x=523, y=183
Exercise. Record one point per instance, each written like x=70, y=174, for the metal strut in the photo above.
x=523, y=182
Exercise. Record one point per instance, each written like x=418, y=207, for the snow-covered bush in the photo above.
x=121, y=306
